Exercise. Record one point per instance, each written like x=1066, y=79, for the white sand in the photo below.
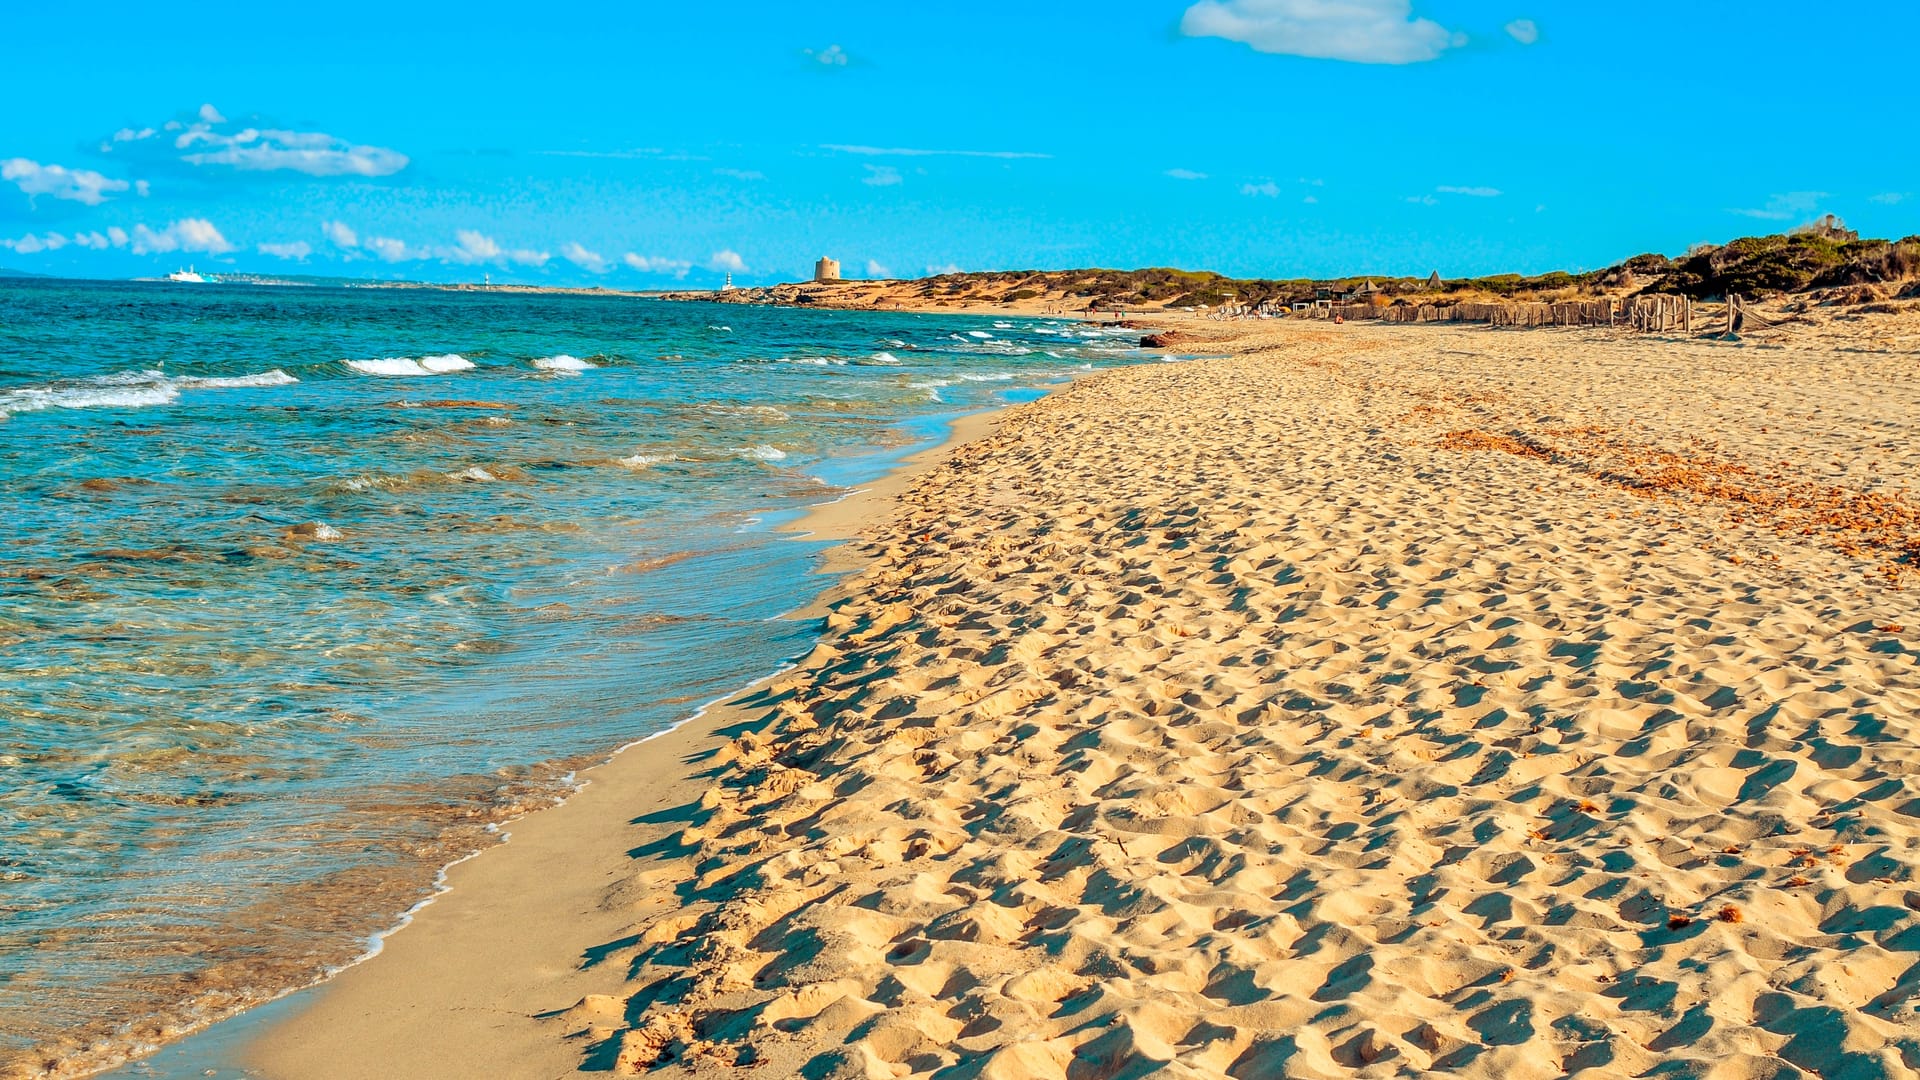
x=1381, y=701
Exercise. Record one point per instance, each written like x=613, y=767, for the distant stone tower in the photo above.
x=826, y=269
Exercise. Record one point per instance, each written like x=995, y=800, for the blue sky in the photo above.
x=647, y=145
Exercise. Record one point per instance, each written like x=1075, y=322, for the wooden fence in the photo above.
x=1650, y=313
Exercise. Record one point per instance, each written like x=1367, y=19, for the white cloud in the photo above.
x=1310, y=199
x=950, y=268
x=882, y=176
x=1423, y=200
x=590, y=261
x=1186, y=174
x=1361, y=31
x=209, y=141
x=310, y=152
x=187, y=234
x=1524, y=31
x=831, y=56
x=298, y=249
x=118, y=236
x=391, y=250
x=729, y=261
x=142, y=188
x=1888, y=198
x=1266, y=188
x=474, y=247
x=33, y=245
x=94, y=240
x=477, y=247
x=78, y=185
x=1782, y=207
x=875, y=270
x=1474, y=192
x=340, y=234
x=886, y=151
x=657, y=264
x=741, y=174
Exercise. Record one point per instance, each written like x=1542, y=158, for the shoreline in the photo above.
x=236, y=1045
x=1433, y=698
x=1265, y=635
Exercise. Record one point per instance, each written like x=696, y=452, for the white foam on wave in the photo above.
x=1003, y=376
x=644, y=461
x=473, y=474
x=563, y=362
x=978, y=334
x=402, y=367
x=276, y=377
x=373, y=482
x=759, y=412
x=90, y=397
x=884, y=358
x=761, y=453
x=127, y=390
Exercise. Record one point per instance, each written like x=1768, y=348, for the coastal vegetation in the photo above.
x=1823, y=257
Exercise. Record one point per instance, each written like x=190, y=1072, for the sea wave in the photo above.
x=276, y=377
x=761, y=453
x=644, y=461
x=399, y=367
x=563, y=362
x=126, y=390
x=758, y=412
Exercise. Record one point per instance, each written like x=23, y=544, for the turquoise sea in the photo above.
x=302, y=590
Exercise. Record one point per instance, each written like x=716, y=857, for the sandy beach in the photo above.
x=1358, y=701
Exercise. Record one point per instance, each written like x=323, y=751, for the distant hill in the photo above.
x=1823, y=261
x=4, y=273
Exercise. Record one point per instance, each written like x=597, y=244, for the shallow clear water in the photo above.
x=302, y=589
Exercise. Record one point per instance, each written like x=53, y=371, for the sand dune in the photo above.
x=1378, y=701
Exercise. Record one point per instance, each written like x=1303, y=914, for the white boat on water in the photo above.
x=188, y=275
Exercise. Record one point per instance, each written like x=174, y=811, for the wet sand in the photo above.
x=461, y=989
x=1373, y=701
